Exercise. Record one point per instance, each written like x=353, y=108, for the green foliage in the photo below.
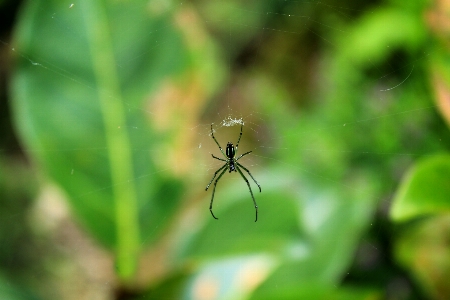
x=421, y=206
x=18, y=186
x=12, y=292
x=425, y=190
x=422, y=247
x=106, y=95
x=74, y=104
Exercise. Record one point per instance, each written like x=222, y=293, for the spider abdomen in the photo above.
x=230, y=151
x=232, y=167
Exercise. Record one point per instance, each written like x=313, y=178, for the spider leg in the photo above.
x=207, y=187
x=251, y=193
x=237, y=144
x=212, y=134
x=214, y=190
x=243, y=155
x=250, y=175
x=218, y=158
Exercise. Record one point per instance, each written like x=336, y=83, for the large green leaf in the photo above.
x=425, y=190
x=84, y=104
x=301, y=239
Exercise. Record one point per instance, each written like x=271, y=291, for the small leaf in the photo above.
x=425, y=190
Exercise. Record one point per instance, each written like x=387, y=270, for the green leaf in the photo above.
x=423, y=249
x=424, y=190
x=277, y=224
x=12, y=292
x=370, y=36
x=85, y=107
x=302, y=237
x=319, y=292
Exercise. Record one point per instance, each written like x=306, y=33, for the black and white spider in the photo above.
x=231, y=164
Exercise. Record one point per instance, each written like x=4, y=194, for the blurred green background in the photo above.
x=105, y=149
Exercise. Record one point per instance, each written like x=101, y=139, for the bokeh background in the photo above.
x=105, y=149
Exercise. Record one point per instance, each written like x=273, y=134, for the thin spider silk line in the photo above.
x=400, y=82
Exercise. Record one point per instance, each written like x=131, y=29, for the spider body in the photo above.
x=231, y=164
x=231, y=152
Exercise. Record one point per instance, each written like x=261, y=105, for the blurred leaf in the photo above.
x=424, y=190
x=169, y=288
x=18, y=187
x=84, y=103
x=234, y=208
x=442, y=91
x=350, y=293
x=437, y=21
x=318, y=292
x=372, y=39
x=233, y=278
x=423, y=248
x=417, y=6
x=298, y=241
x=12, y=292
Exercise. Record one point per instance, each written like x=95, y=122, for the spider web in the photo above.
x=266, y=133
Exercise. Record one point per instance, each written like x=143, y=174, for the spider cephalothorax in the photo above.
x=231, y=164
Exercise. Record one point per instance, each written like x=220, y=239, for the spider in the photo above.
x=231, y=164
